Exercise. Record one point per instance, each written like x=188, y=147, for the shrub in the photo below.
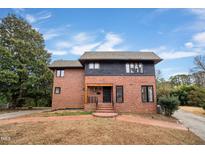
x=169, y=104
x=163, y=89
x=182, y=92
x=3, y=100
x=197, y=96
x=203, y=106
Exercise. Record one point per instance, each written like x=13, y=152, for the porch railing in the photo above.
x=113, y=103
x=93, y=99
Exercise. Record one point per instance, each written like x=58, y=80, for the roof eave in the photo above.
x=155, y=60
x=54, y=67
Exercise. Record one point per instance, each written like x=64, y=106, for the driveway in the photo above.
x=194, y=122
x=20, y=113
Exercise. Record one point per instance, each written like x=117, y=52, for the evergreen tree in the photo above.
x=24, y=72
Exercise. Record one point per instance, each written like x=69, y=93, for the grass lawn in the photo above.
x=154, y=116
x=59, y=113
x=92, y=131
x=7, y=111
x=2, y=111
x=195, y=110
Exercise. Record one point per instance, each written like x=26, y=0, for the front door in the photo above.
x=106, y=94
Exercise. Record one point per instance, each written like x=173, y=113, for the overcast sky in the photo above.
x=176, y=35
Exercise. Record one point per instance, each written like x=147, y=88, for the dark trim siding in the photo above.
x=117, y=68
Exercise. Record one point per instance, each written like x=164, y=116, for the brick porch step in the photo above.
x=105, y=108
x=104, y=111
x=105, y=115
x=104, y=105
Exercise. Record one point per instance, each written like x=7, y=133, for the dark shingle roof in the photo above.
x=120, y=56
x=105, y=56
x=66, y=64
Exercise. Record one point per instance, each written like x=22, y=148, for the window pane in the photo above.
x=119, y=94
x=97, y=65
x=57, y=90
x=91, y=66
x=150, y=94
x=144, y=94
x=141, y=68
x=136, y=68
x=58, y=73
x=131, y=68
x=127, y=68
x=62, y=72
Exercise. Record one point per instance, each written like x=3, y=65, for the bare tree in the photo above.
x=199, y=78
x=200, y=63
x=158, y=74
x=180, y=79
x=198, y=74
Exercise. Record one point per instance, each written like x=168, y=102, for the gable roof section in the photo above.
x=66, y=64
x=149, y=56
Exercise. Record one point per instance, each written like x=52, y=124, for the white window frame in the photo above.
x=62, y=73
x=141, y=70
x=148, y=92
x=127, y=68
x=59, y=73
x=134, y=68
x=94, y=65
x=57, y=90
x=91, y=65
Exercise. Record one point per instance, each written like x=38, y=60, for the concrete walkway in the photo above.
x=194, y=122
x=20, y=113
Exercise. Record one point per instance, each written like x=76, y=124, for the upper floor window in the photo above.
x=134, y=68
x=60, y=73
x=94, y=65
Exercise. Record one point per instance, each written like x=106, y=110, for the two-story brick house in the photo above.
x=124, y=81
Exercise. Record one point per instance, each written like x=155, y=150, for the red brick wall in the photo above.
x=72, y=94
x=132, y=92
x=99, y=96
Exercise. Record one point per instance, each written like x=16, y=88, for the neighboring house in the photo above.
x=124, y=81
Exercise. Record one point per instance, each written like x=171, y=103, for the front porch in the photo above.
x=100, y=97
x=99, y=93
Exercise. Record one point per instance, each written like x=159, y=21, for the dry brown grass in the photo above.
x=59, y=113
x=154, y=116
x=2, y=111
x=6, y=111
x=93, y=131
x=195, y=110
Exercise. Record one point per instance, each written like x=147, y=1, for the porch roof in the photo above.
x=99, y=84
